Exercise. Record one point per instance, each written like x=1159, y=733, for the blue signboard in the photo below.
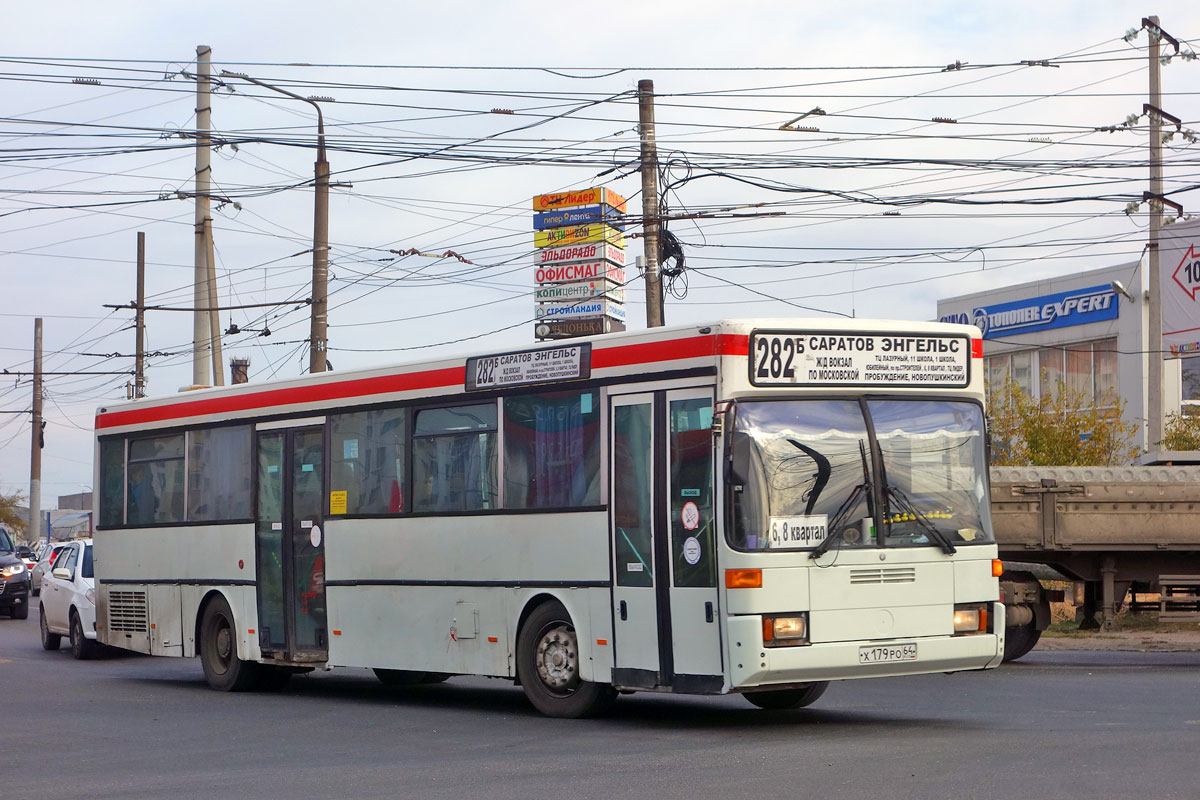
x=580, y=215
x=1061, y=310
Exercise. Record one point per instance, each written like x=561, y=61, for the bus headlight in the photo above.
x=970, y=619
x=783, y=631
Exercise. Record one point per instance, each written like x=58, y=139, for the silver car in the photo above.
x=45, y=564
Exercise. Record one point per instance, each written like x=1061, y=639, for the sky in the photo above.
x=878, y=212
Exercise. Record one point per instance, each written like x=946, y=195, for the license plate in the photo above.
x=882, y=654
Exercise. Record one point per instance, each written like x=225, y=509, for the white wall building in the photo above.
x=1081, y=330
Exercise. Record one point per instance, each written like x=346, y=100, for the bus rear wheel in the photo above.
x=223, y=670
x=784, y=699
x=548, y=666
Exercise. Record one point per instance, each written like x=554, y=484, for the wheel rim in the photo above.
x=558, y=659
x=222, y=645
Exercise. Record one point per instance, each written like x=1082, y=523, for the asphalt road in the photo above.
x=1058, y=724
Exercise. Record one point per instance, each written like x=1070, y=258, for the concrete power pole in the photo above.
x=650, y=223
x=201, y=324
x=1154, y=367
x=139, y=362
x=319, y=342
x=35, y=449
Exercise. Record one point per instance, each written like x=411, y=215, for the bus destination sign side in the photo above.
x=847, y=358
x=529, y=366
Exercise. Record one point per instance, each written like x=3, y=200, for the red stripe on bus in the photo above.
x=602, y=358
x=285, y=397
x=672, y=350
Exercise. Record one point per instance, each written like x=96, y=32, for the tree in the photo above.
x=1062, y=428
x=1181, y=433
x=8, y=511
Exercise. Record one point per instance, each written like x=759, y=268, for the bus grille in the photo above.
x=127, y=611
x=859, y=577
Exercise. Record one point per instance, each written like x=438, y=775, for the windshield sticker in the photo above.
x=689, y=492
x=634, y=566
x=799, y=531
x=691, y=550
x=690, y=515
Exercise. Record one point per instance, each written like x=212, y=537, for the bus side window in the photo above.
x=112, y=481
x=219, y=465
x=454, y=458
x=552, y=450
x=154, y=486
x=368, y=460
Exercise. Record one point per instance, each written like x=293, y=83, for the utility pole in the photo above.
x=201, y=325
x=35, y=449
x=139, y=364
x=214, y=313
x=318, y=342
x=1154, y=370
x=650, y=223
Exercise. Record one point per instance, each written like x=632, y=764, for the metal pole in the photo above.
x=1154, y=371
x=318, y=344
x=35, y=449
x=201, y=327
x=654, y=292
x=139, y=364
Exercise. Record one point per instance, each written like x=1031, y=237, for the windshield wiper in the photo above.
x=907, y=506
x=837, y=525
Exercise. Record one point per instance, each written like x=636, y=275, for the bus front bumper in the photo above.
x=754, y=666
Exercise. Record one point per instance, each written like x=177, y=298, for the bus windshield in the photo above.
x=803, y=471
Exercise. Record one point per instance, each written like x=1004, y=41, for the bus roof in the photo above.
x=642, y=352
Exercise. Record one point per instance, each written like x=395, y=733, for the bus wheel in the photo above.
x=1019, y=640
x=223, y=670
x=784, y=699
x=548, y=666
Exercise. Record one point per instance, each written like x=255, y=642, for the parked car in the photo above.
x=14, y=579
x=45, y=564
x=68, y=600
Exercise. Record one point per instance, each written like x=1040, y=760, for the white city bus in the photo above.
x=758, y=507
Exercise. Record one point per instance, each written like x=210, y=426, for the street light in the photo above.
x=318, y=344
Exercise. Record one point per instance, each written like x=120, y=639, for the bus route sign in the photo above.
x=561, y=363
x=850, y=358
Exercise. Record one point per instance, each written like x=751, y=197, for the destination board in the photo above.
x=529, y=366
x=847, y=358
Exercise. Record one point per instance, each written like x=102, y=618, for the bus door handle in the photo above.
x=708, y=611
x=624, y=611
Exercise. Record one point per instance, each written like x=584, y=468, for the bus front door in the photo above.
x=290, y=545
x=666, y=630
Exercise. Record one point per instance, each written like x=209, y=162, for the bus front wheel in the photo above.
x=783, y=699
x=548, y=666
x=223, y=670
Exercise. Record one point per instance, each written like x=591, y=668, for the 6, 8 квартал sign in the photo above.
x=845, y=358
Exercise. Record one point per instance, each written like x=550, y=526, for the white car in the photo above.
x=68, y=600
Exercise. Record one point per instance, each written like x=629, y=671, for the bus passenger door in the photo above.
x=691, y=523
x=290, y=544
x=666, y=625
x=636, y=657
